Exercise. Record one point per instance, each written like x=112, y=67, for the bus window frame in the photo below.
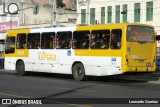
x=87, y=41
x=53, y=40
x=30, y=43
x=120, y=42
x=24, y=45
x=65, y=41
x=103, y=31
x=139, y=41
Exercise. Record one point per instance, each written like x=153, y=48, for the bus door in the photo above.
x=140, y=46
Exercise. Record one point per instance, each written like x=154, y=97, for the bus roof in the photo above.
x=78, y=27
x=117, y=24
x=109, y=26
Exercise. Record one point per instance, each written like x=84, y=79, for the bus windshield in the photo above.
x=140, y=34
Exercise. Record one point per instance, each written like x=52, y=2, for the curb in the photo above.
x=157, y=82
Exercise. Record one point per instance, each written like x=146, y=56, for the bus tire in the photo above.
x=78, y=72
x=20, y=68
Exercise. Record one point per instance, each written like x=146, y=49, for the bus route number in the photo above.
x=20, y=52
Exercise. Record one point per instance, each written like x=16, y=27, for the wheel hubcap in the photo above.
x=20, y=68
x=79, y=71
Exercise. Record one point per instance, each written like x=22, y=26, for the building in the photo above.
x=120, y=11
x=25, y=18
x=7, y=21
x=66, y=16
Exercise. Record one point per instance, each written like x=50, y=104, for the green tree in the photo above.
x=60, y=4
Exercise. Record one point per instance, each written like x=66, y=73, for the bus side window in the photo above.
x=81, y=39
x=100, y=39
x=64, y=39
x=47, y=40
x=116, y=36
x=33, y=41
x=21, y=41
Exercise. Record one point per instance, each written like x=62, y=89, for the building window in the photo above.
x=117, y=14
x=137, y=12
x=83, y=16
x=92, y=16
x=149, y=11
x=125, y=14
x=109, y=18
x=102, y=15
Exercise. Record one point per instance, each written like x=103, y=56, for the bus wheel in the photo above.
x=78, y=72
x=20, y=69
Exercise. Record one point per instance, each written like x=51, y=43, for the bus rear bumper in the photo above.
x=139, y=69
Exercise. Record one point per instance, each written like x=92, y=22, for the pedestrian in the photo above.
x=2, y=59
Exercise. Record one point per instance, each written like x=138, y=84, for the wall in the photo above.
x=97, y=4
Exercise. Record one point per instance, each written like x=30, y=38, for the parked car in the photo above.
x=158, y=62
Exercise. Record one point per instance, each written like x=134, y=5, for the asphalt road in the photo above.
x=42, y=86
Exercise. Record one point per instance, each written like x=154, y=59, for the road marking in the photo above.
x=78, y=105
x=88, y=91
x=154, y=82
x=12, y=95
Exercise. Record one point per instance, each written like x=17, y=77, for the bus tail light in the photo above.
x=126, y=58
x=127, y=61
x=154, y=60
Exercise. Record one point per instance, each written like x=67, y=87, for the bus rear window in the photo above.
x=140, y=34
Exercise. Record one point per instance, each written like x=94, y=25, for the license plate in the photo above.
x=140, y=61
x=148, y=64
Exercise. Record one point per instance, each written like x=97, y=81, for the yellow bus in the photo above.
x=91, y=50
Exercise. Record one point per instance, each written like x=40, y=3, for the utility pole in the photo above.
x=22, y=14
x=53, y=14
x=11, y=21
x=55, y=6
x=22, y=2
x=87, y=19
